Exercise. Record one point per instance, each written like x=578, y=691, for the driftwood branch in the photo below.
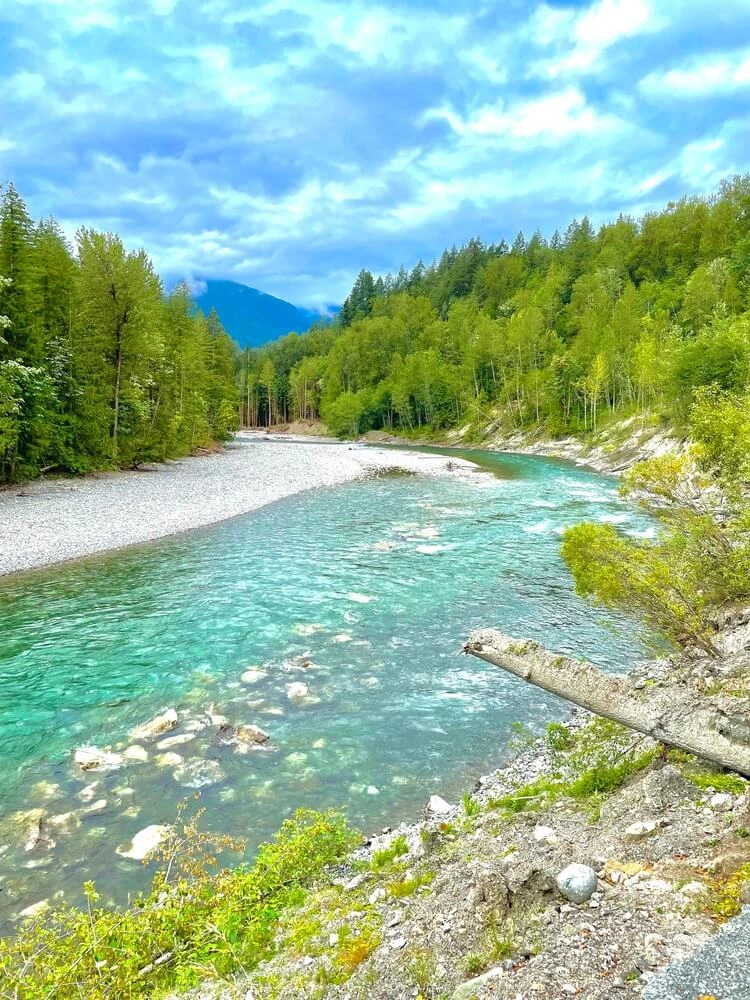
x=673, y=715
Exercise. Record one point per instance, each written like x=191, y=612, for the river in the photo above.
x=373, y=584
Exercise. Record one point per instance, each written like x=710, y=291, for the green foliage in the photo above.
x=471, y=806
x=702, y=556
x=665, y=582
x=724, y=901
x=98, y=368
x=558, y=736
x=587, y=766
x=399, y=889
x=195, y=921
x=562, y=335
x=386, y=857
x=717, y=781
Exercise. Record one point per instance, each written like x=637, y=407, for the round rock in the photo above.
x=577, y=883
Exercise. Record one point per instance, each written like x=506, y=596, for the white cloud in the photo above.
x=703, y=76
x=552, y=118
x=580, y=40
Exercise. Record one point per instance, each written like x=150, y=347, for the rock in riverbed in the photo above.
x=94, y=759
x=250, y=734
x=156, y=726
x=144, y=842
x=297, y=691
x=198, y=774
x=252, y=675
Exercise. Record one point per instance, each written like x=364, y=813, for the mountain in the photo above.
x=250, y=316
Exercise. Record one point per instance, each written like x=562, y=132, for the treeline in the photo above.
x=98, y=367
x=554, y=333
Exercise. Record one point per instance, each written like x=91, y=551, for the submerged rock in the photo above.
x=297, y=691
x=168, y=759
x=199, y=774
x=250, y=734
x=135, y=752
x=46, y=790
x=252, y=675
x=94, y=759
x=156, y=726
x=145, y=842
x=174, y=741
x=25, y=829
x=35, y=910
x=64, y=822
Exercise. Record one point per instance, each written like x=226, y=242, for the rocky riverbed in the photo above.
x=54, y=520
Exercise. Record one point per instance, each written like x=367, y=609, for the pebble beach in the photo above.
x=56, y=520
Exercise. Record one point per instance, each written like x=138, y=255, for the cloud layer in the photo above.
x=287, y=143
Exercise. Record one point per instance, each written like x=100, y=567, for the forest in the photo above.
x=557, y=333
x=99, y=368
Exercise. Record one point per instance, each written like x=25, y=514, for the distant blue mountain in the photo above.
x=251, y=317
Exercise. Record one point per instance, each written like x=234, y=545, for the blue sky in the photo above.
x=287, y=143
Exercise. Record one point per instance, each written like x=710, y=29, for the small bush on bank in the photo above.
x=195, y=923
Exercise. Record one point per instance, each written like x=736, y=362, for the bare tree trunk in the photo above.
x=676, y=715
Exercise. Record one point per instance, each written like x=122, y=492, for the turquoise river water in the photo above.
x=377, y=583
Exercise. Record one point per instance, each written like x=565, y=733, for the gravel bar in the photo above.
x=54, y=520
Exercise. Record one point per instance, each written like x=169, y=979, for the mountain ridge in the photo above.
x=251, y=316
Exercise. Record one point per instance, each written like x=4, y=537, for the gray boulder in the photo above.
x=578, y=883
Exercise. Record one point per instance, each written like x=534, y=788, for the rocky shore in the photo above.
x=615, y=448
x=596, y=865
x=55, y=520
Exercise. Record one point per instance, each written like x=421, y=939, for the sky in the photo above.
x=289, y=143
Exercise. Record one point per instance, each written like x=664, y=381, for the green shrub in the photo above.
x=386, y=857
x=194, y=923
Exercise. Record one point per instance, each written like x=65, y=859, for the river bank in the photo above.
x=611, y=450
x=595, y=865
x=55, y=520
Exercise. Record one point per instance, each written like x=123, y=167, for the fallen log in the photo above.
x=676, y=716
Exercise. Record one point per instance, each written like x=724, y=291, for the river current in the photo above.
x=372, y=585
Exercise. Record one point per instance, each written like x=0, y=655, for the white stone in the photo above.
x=175, y=741
x=94, y=759
x=372, y=790
x=722, y=802
x=156, y=726
x=438, y=805
x=144, y=842
x=35, y=909
x=135, y=752
x=88, y=792
x=168, y=759
x=96, y=807
x=253, y=675
x=297, y=691
x=641, y=829
x=376, y=895
x=545, y=835
x=578, y=883
x=64, y=822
